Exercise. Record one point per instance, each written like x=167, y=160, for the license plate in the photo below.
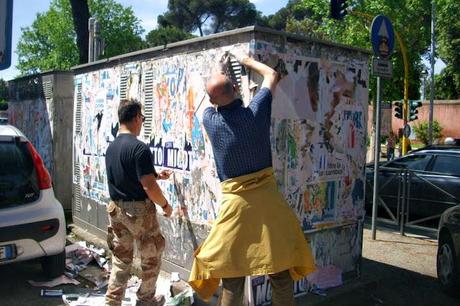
x=7, y=252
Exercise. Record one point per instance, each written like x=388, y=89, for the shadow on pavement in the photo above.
x=383, y=284
x=15, y=290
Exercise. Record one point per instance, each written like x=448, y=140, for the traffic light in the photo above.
x=399, y=109
x=413, y=105
x=338, y=9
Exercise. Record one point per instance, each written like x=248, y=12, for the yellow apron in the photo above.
x=256, y=233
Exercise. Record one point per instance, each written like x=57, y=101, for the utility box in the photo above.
x=318, y=136
x=41, y=106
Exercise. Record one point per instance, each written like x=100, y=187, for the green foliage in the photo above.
x=49, y=43
x=120, y=29
x=292, y=10
x=448, y=39
x=411, y=19
x=3, y=95
x=421, y=131
x=3, y=90
x=211, y=16
x=166, y=35
x=447, y=85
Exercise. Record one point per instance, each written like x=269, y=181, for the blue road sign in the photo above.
x=6, y=23
x=382, y=36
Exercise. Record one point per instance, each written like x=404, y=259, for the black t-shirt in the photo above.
x=127, y=159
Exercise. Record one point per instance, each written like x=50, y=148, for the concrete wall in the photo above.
x=318, y=135
x=62, y=100
x=41, y=106
x=446, y=112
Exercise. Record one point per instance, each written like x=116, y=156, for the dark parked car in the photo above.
x=434, y=182
x=448, y=258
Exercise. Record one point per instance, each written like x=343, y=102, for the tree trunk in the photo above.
x=80, y=14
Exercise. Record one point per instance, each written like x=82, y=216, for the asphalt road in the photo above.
x=395, y=271
x=15, y=290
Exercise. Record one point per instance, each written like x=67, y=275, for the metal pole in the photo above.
x=406, y=74
x=433, y=52
x=97, y=40
x=404, y=203
x=424, y=87
x=375, y=196
x=405, y=141
x=91, y=22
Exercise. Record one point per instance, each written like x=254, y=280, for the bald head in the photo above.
x=220, y=89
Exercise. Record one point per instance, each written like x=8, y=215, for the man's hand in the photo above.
x=167, y=210
x=239, y=55
x=270, y=76
x=164, y=175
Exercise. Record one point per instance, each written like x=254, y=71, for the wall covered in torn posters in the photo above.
x=319, y=119
x=318, y=132
x=33, y=118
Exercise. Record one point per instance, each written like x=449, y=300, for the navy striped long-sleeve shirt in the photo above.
x=240, y=136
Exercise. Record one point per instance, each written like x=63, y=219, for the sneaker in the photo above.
x=158, y=300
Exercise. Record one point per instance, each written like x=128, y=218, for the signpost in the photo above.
x=6, y=23
x=383, y=41
x=382, y=36
x=382, y=68
x=407, y=131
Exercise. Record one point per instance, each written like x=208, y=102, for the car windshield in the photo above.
x=18, y=182
x=412, y=162
x=14, y=159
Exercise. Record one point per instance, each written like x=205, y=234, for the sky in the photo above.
x=24, y=13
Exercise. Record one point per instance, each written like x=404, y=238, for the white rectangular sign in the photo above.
x=382, y=68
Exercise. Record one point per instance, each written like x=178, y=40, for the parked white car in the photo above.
x=32, y=223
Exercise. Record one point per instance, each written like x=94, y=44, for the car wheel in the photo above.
x=54, y=265
x=447, y=266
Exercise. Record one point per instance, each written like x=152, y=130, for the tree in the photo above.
x=3, y=95
x=421, y=131
x=447, y=85
x=448, y=39
x=166, y=35
x=211, y=16
x=292, y=10
x=410, y=18
x=120, y=28
x=80, y=16
x=49, y=43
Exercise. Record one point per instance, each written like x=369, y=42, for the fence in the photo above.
x=410, y=199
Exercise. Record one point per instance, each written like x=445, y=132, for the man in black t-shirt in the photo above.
x=132, y=213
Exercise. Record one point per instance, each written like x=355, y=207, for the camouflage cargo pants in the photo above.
x=129, y=223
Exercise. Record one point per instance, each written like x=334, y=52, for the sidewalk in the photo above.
x=396, y=270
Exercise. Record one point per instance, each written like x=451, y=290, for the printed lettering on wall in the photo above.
x=318, y=131
x=318, y=128
x=318, y=134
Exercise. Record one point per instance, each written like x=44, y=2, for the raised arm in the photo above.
x=270, y=76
